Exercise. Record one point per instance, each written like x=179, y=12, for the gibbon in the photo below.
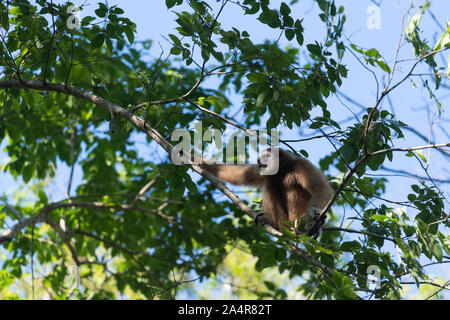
x=296, y=192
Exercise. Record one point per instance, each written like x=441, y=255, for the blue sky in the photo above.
x=155, y=22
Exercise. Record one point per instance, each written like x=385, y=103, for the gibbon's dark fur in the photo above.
x=297, y=185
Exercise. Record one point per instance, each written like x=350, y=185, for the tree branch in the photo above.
x=42, y=216
x=152, y=133
x=360, y=232
x=355, y=168
x=388, y=90
x=411, y=149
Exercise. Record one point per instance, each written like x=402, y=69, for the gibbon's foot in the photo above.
x=313, y=229
x=260, y=219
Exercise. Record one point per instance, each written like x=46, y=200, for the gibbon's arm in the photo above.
x=247, y=175
x=315, y=182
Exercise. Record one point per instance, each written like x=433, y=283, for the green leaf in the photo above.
x=290, y=34
x=256, y=77
x=260, y=100
x=364, y=186
x=314, y=49
x=447, y=73
x=379, y=217
x=15, y=11
x=87, y=20
x=130, y=34
x=316, y=125
x=323, y=5
x=175, y=51
x=98, y=41
x=348, y=153
x=271, y=18
x=101, y=12
x=304, y=153
x=27, y=172
x=409, y=231
x=445, y=241
x=271, y=123
x=175, y=40
x=444, y=42
x=270, y=285
x=350, y=246
x=268, y=259
x=288, y=21
x=205, y=53
x=356, y=48
x=416, y=188
x=376, y=161
x=413, y=23
x=383, y=65
x=299, y=31
x=421, y=156
x=437, y=251
x=253, y=9
x=42, y=196
x=284, y=9
x=280, y=254
x=372, y=53
x=218, y=55
x=170, y=3
x=178, y=192
x=323, y=250
x=117, y=10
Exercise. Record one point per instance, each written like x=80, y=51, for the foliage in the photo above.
x=150, y=242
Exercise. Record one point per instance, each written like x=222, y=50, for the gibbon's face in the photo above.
x=268, y=162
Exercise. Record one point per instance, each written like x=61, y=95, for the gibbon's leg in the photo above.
x=315, y=214
x=317, y=186
x=318, y=201
x=297, y=200
x=274, y=204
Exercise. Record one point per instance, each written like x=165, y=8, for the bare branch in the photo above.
x=360, y=232
x=407, y=174
x=65, y=239
x=411, y=149
x=40, y=217
x=423, y=137
x=185, y=95
x=144, y=190
x=388, y=90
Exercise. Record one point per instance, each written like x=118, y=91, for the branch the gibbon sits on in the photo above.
x=293, y=188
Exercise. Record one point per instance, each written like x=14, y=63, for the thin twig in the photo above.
x=360, y=232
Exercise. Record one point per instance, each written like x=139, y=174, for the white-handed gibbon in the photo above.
x=296, y=192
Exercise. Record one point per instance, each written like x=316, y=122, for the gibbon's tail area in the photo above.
x=296, y=186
